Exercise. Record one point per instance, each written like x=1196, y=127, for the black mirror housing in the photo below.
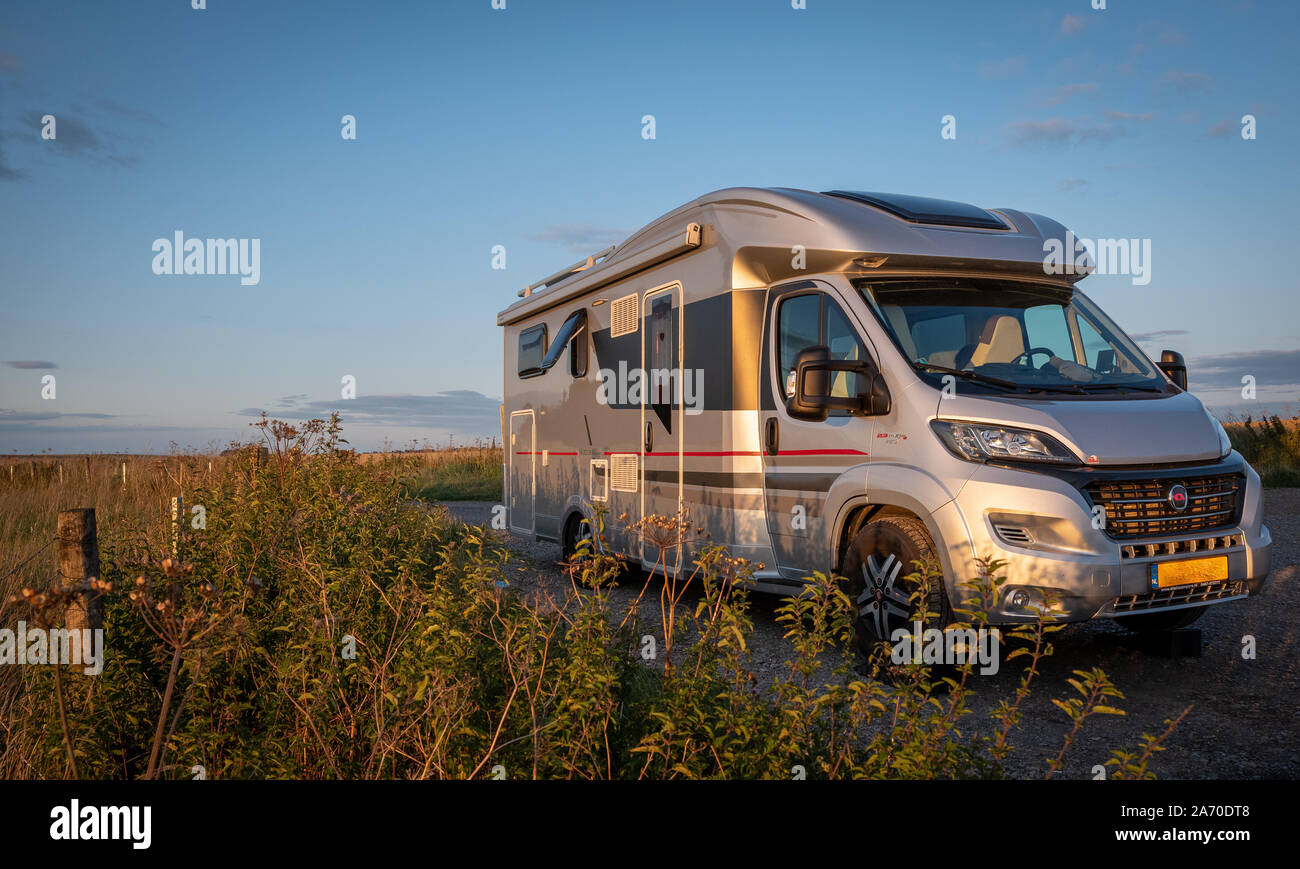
x=1172, y=364
x=812, y=399
x=812, y=384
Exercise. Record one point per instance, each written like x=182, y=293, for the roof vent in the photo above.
x=923, y=209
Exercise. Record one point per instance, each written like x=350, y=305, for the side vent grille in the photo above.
x=599, y=480
x=1014, y=534
x=622, y=472
x=623, y=319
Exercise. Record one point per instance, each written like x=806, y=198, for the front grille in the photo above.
x=1178, y=596
x=1182, y=546
x=1140, y=508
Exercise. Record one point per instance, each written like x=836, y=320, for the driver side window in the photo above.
x=811, y=319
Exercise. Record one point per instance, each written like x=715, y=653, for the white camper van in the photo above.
x=849, y=381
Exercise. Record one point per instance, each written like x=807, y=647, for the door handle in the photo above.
x=649, y=438
x=772, y=436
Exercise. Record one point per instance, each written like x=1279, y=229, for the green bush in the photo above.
x=324, y=626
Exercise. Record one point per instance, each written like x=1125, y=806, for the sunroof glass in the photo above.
x=923, y=209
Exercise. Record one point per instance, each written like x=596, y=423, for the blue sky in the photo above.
x=522, y=127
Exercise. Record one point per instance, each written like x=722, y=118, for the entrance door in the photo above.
x=802, y=458
x=523, y=478
x=661, y=422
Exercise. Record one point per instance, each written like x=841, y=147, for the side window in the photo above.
x=532, y=346
x=578, y=352
x=1045, y=326
x=572, y=336
x=1095, y=347
x=797, y=328
x=839, y=335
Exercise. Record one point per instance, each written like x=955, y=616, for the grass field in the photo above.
x=1271, y=445
x=470, y=473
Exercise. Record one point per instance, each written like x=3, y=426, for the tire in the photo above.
x=876, y=565
x=576, y=530
x=1154, y=623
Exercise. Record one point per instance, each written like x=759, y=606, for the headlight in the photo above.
x=977, y=442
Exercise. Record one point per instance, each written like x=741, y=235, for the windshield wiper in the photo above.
x=966, y=375
x=1131, y=386
x=1067, y=388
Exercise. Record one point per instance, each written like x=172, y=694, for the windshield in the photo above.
x=1009, y=336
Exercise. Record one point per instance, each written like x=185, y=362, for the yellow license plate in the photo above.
x=1170, y=573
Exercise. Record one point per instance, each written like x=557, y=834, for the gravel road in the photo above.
x=1243, y=721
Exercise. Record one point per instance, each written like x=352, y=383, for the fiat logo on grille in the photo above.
x=1177, y=497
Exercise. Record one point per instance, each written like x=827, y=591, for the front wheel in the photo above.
x=877, y=565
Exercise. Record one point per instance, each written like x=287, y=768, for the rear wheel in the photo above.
x=876, y=566
x=1152, y=623
x=577, y=531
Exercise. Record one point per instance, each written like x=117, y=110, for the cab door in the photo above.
x=802, y=458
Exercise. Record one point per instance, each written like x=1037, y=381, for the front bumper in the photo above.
x=1056, y=559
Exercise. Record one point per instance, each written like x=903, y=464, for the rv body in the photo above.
x=949, y=382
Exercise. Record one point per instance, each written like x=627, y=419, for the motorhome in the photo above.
x=850, y=382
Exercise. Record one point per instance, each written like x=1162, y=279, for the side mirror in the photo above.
x=1172, y=364
x=811, y=398
x=812, y=384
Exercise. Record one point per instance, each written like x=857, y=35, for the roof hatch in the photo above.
x=923, y=209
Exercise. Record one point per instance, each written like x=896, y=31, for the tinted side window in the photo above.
x=578, y=352
x=797, y=328
x=532, y=346
x=839, y=335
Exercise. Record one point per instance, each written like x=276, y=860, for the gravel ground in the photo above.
x=1243, y=721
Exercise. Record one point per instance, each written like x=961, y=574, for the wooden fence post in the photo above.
x=79, y=562
x=178, y=512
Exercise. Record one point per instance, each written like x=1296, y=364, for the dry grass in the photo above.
x=33, y=489
x=468, y=473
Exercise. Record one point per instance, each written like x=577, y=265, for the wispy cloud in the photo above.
x=1009, y=67
x=22, y=416
x=1157, y=335
x=1074, y=25
x=1067, y=184
x=1183, y=82
x=72, y=138
x=29, y=363
x=1067, y=92
x=455, y=409
x=1059, y=131
x=1221, y=129
x=1268, y=367
x=75, y=139
x=580, y=237
x=1144, y=117
x=131, y=113
x=7, y=172
x=10, y=62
